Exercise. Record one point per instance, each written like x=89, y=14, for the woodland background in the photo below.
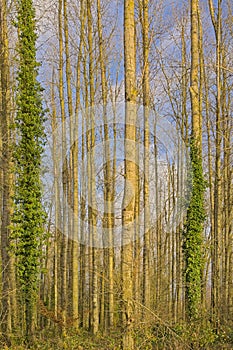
x=62, y=286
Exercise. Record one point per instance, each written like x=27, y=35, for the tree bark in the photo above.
x=128, y=205
x=6, y=173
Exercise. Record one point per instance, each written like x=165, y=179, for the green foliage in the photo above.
x=193, y=235
x=197, y=334
x=29, y=216
x=181, y=336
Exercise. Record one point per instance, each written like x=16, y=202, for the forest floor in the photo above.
x=158, y=338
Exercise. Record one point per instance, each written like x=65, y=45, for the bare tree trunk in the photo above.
x=226, y=220
x=6, y=271
x=184, y=133
x=82, y=252
x=57, y=206
x=128, y=205
x=73, y=248
x=92, y=196
x=63, y=255
x=216, y=21
x=85, y=249
x=194, y=89
x=108, y=191
x=146, y=106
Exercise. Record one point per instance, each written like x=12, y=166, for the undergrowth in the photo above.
x=154, y=337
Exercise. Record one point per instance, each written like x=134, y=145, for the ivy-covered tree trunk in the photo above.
x=195, y=215
x=194, y=238
x=29, y=216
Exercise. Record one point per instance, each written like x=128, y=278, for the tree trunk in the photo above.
x=6, y=175
x=94, y=324
x=63, y=252
x=195, y=215
x=215, y=297
x=128, y=205
x=146, y=111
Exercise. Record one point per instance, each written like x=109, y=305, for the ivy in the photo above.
x=193, y=235
x=29, y=216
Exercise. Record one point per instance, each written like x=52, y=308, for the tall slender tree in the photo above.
x=5, y=113
x=29, y=216
x=63, y=251
x=146, y=105
x=128, y=205
x=108, y=191
x=195, y=215
x=217, y=24
x=94, y=320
